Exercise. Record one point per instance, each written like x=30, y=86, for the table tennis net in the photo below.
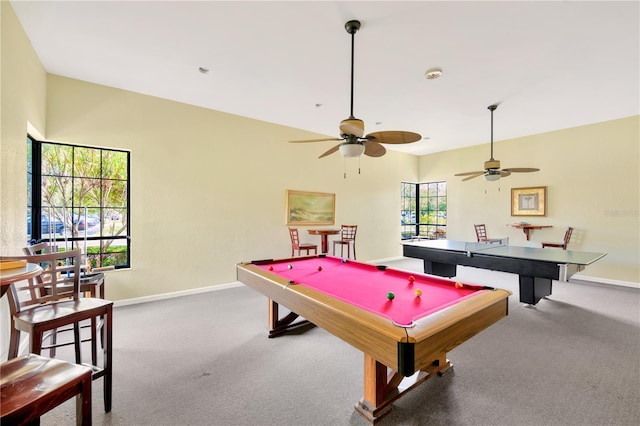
x=473, y=246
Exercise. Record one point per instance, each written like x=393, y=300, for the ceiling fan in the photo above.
x=353, y=141
x=492, y=170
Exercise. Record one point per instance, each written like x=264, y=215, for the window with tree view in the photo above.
x=79, y=198
x=423, y=211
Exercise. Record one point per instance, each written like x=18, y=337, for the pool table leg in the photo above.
x=279, y=325
x=382, y=386
x=532, y=289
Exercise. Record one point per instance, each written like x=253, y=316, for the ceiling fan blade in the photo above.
x=316, y=140
x=504, y=173
x=520, y=170
x=473, y=176
x=470, y=173
x=374, y=149
x=393, y=137
x=331, y=151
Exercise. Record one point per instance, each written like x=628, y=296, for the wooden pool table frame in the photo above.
x=422, y=348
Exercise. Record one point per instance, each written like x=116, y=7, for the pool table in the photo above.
x=381, y=312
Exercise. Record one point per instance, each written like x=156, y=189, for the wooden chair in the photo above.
x=565, y=241
x=348, y=239
x=52, y=301
x=481, y=234
x=296, y=245
x=32, y=385
x=91, y=285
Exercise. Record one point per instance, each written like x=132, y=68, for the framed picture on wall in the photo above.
x=530, y=201
x=310, y=208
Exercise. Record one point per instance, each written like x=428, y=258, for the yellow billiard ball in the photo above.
x=417, y=292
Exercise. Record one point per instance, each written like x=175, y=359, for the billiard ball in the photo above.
x=343, y=261
x=290, y=266
x=390, y=296
x=411, y=278
x=319, y=268
x=459, y=284
x=271, y=268
x=417, y=292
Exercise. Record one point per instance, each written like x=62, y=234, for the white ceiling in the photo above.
x=550, y=65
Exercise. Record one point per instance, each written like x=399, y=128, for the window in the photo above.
x=423, y=210
x=79, y=198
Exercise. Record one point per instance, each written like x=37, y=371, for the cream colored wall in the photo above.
x=593, y=184
x=207, y=188
x=23, y=102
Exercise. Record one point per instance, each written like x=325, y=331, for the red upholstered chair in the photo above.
x=348, y=239
x=296, y=245
x=481, y=234
x=32, y=385
x=52, y=301
x=565, y=241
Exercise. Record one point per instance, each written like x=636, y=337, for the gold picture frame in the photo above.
x=531, y=201
x=310, y=208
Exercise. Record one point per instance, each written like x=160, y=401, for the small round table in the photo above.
x=8, y=276
x=324, y=235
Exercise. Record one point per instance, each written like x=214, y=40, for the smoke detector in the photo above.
x=433, y=73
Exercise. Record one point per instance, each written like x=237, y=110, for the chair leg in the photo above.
x=14, y=342
x=107, y=351
x=77, y=342
x=35, y=341
x=83, y=403
x=94, y=341
x=54, y=340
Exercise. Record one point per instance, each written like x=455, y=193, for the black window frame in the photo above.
x=35, y=209
x=416, y=210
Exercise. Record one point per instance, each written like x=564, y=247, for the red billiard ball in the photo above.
x=459, y=284
x=319, y=268
x=390, y=296
x=417, y=292
x=411, y=278
x=271, y=268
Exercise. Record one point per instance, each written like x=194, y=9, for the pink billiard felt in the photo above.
x=366, y=287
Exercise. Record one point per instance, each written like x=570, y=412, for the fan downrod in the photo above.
x=352, y=26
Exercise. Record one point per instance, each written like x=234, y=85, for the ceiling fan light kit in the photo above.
x=354, y=143
x=492, y=170
x=351, y=150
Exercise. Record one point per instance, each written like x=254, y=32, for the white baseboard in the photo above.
x=171, y=295
x=388, y=259
x=578, y=278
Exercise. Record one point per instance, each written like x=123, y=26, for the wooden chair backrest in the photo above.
x=348, y=232
x=567, y=235
x=481, y=232
x=295, y=238
x=60, y=280
x=38, y=248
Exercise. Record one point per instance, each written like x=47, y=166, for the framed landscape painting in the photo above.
x=310, y=208
x=529, y=201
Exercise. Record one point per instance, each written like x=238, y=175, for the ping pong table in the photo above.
x=536, y=267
